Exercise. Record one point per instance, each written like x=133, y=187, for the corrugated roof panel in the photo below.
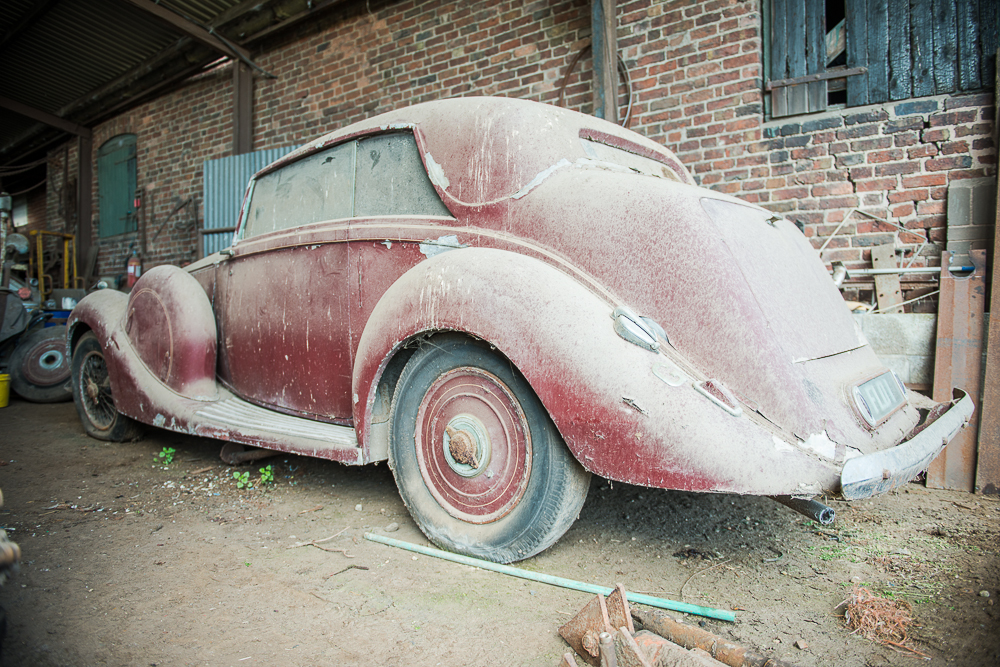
x=225, y=183
x=81, y=46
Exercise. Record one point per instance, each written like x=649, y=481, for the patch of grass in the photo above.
x=242, y=480
x=266, y=475
x=166, y=456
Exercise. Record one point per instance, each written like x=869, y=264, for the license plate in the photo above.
x=879, y=397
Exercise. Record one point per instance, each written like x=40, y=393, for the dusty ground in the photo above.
x=130, y=562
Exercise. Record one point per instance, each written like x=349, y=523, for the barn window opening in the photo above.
x=827, y=53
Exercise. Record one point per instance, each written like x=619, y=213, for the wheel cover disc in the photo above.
x=473, y=445
x=45, y=364
x=95, y=391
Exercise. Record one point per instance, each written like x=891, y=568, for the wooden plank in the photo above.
x=988, y=451
x=878, y=51
x=922, y=47
x=958, y=363
x=887, y=285
x=779, y=56
x=816, y=52
x=967, y=24
x=795, y=27
x=857, y=52
x=945, y=51
x=989, y=26
x=900, y=73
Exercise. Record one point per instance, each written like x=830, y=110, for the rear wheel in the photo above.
x=478, y=462
x=40, y=368
x=92, y=394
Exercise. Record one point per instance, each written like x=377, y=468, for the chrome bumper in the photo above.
x=883, y=471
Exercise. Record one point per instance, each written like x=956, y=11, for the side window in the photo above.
x=391, y=179
x=116, y=182
x=318, y=187
x=857, y=52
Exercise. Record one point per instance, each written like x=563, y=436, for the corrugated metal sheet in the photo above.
x=225, y=183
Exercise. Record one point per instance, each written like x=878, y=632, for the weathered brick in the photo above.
x=893, y=168
x=920, y=106
x=876, y=184
x=821, y=124
x=866, y=117
x=943, y=163
x=908, y=195
x=903, y=124
x=827, y=189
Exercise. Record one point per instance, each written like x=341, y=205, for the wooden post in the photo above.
x=958, y=363
x=604, y=39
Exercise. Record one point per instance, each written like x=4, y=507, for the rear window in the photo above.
x=373, y=176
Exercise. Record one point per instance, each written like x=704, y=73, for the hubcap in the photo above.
x=473, y=445
x=466, y=445
x=45, y=364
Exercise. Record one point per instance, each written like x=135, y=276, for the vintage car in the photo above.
x=501, y=298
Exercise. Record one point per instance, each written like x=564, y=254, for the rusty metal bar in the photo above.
x=820, y=76
x=708, y=612
x=958, y=363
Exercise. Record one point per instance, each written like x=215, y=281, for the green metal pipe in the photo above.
x=639, y=598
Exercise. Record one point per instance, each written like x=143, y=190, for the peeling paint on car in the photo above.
x=435, y=172
x=539, y=178
x=431, y=248
x=821, y=444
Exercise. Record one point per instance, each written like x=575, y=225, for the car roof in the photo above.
x=483, y=148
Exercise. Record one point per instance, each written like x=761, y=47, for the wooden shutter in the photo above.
x=798, y=48
x=116, y=181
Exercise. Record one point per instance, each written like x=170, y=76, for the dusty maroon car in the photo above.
x=500, y=298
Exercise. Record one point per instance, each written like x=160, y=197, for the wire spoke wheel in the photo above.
x=95, y=403
x=96, y=391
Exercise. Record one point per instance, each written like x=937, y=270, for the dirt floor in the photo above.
x=127, y=561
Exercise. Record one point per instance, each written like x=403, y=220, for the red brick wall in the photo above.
x=696, y=73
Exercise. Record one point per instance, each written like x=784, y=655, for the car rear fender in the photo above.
x=617, y=417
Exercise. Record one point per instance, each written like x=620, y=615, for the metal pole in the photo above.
x=638, y=598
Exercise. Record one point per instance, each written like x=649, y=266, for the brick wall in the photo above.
x=696, y=75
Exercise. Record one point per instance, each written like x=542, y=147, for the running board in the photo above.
x=236, y=420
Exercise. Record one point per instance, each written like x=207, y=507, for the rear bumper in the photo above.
x=883, y=471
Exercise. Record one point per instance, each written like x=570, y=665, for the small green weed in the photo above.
x=242, y=480
x=167, y=455
x=267, y=475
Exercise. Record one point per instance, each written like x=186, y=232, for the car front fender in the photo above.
x=619, y=418
x=167, y=321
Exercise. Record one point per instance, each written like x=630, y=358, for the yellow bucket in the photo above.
x=4, y=390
